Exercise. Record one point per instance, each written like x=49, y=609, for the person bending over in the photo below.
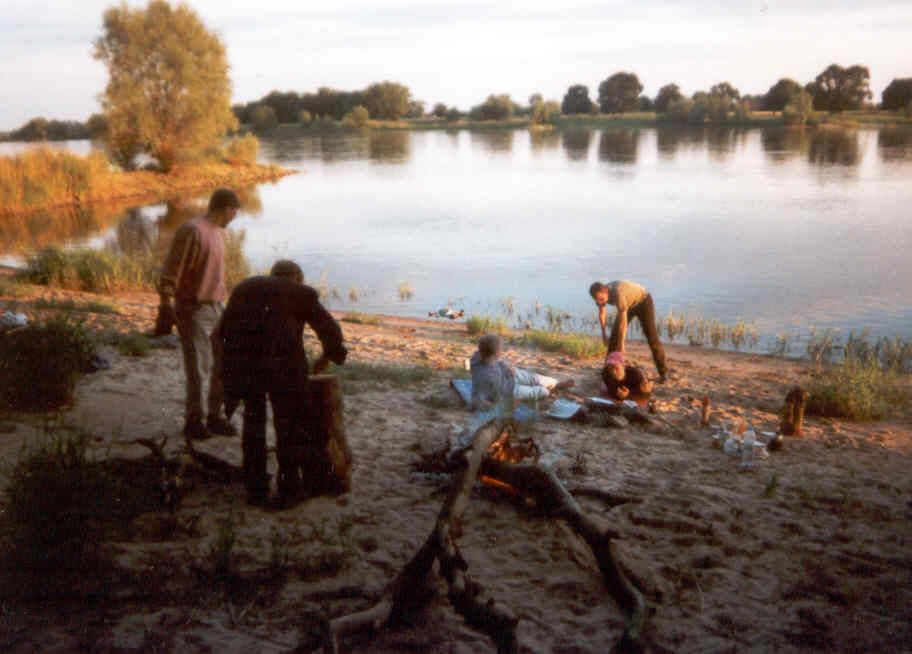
x=631, y=301
x=621, y=380
x=494, y=380
x=261, y=354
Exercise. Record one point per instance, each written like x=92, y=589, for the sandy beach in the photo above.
x=809, y=551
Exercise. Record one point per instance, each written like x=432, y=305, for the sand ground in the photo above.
x=809, y=551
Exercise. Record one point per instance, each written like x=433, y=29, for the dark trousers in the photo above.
x=645, y=313
x=291, y=416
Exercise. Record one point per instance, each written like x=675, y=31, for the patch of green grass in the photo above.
x=771, y=485
x=133, y=344
x=60, y=505
x=39, y=364
x=485, y=325
x=382, y=375
x=361, y=318
x=576, y=345
x=858, y=391
x=70, y=306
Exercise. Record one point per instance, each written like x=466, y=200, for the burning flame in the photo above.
x=512, y=450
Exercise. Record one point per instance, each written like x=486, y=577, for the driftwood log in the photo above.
x=468, y=598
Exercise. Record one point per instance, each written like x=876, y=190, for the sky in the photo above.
x=460, y=51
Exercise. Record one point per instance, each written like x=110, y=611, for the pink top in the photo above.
x=194, y=269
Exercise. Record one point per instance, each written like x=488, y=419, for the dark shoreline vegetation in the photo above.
x=846, y=120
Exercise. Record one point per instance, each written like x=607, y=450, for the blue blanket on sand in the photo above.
x=521, y=413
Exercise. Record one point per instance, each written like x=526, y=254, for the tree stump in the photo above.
x=793, y=412
x=319, y=451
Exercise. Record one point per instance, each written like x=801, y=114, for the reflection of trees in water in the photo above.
x=544, y=139
x=343, y=146
x=834, y=147
x=285, y=149
x=722, y=141
x=668, y=139
x=136, y=233
x=499, y=140
x=894, y=144
x=389, y=146
x=619, y=146
x=783, y=143
x=576, y=143
x=23, y=233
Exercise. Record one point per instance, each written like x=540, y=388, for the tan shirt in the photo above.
x=194, y=269
x=627, y=294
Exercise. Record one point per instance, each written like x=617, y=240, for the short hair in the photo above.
x=488, y=345
x=223, y=198
x=287, y=269
x=597, y=287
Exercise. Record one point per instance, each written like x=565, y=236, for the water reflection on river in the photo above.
x=784, y=227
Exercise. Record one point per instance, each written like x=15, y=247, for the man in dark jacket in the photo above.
x=261, y=352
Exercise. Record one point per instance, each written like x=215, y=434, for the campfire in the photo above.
x=509, y=449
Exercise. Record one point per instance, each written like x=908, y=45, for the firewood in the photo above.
x=466, y=595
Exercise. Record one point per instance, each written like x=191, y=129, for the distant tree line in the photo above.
x=41, y=129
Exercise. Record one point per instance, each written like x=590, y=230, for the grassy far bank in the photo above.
x=846, y=119
x=42, y=179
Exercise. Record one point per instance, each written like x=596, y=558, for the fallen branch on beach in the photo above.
x=468, y=597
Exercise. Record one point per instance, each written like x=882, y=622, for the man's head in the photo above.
x=489, y=346
x=287, y=269
x=600, y=293
x=223, y=206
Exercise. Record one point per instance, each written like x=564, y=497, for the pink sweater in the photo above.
x=194, y=269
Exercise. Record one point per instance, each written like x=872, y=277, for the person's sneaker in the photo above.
x=195, y=431
x=221, y=427
x=563, y=385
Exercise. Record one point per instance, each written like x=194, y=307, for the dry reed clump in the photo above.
x=43, y=177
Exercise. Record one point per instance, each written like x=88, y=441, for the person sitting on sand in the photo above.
x=493, y=379
x=621, y=380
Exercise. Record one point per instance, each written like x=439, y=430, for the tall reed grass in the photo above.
x=43, y=177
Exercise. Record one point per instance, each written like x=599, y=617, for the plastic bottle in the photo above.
x=747, y=449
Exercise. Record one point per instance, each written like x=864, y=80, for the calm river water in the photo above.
x=787, y=229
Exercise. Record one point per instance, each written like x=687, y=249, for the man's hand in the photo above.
x=321, y=364
x=622, y=392
x=166, y=318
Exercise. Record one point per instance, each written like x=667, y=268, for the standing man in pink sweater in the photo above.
x=192, y=291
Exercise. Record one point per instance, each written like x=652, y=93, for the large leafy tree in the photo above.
x=898, y=94
x=386, y=100
x=724, y=88
x=667, y=94
x=168, y=90
x=576, y=100
x=840, y=89
x=619, y=93
x=781, y=94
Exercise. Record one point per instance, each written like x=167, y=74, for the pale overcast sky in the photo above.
x=459, y=51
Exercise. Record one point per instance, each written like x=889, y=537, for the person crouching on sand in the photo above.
x=493, y=379
x=621, y=380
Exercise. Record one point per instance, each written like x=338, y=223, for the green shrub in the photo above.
x=133, y=344
x=383, y=375
x=356, y=118
x=485, y=324
x=242, y=151
x=361, y=318
x=40, y=363
x=575, y=345
x=857, y=391
x=96, y=271
x=55, y=502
